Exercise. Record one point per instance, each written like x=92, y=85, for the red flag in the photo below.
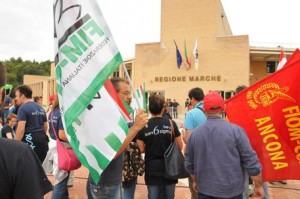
x=293, y=58
x=269, y=111
x=282, y=60
x=113, y=93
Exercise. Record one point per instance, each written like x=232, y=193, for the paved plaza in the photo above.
x=277, y=191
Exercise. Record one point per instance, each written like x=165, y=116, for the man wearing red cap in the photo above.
x=218, y=155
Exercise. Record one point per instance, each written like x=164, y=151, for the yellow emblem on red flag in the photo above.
x=269, y=111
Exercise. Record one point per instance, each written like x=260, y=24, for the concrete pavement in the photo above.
x=277, y=191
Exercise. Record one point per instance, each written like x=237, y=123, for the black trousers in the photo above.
x=38, y=141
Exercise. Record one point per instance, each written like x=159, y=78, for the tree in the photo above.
x=17, y=68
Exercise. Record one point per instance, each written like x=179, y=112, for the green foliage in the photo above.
x=17, y=68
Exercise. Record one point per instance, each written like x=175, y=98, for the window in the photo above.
x=129, y=72
x=116, y=74
x=270, y=66
x=226, y=94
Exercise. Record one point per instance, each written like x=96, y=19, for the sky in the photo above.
x=26, y=27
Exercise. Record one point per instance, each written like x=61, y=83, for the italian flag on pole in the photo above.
x=141, y=98
x=86, y=55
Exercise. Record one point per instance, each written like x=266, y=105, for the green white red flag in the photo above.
x=186, y=57
x=269, y=111
x=140, y=93
x=86, y=55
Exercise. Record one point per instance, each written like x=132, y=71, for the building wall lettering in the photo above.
x=202, y=78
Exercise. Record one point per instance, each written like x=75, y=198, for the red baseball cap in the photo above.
x=213, y=102
x=52, y=98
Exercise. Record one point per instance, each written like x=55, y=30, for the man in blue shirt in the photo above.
x=218, y=155
x=32, y=122
x=194, y=118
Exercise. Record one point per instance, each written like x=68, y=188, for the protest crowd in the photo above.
x=203, y=141
x=31, y=124
x=94, y=124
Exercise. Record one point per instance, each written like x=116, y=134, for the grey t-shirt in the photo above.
x=112, y=175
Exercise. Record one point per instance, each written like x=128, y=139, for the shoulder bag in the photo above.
x=67, y=159
x=174, y=160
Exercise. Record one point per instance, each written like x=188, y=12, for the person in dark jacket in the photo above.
x=22, y=175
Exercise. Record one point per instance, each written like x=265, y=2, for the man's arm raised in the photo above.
x=140, y=121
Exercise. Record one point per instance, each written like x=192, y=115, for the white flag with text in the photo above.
x=86, y=55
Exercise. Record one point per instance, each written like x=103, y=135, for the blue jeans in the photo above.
x=161, y=191
x=129, y=191
x=104, y=192
x=202, y=196
x=60, y=191
x=266, y=189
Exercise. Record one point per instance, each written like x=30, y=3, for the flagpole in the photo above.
x=131, y=85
